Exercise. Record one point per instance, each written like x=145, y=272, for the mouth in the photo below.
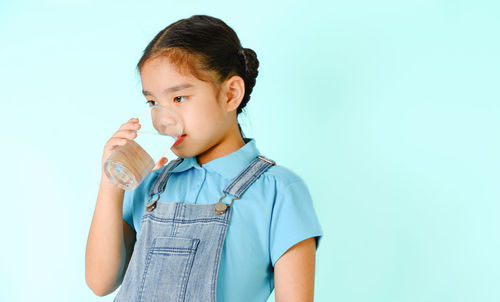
x=179, y=140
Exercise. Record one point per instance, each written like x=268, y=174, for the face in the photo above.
x=206, y=116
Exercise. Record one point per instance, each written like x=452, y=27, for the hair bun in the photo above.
x=251, y=72
x=251, y=63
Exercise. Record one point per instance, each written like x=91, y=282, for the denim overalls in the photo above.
x=179, y=246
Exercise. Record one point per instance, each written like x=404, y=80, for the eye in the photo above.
x=177, y=97
x=150, y=104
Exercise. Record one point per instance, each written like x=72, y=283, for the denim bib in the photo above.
x=179, y=246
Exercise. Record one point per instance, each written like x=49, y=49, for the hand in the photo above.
x=126, y=131
x=160, y=163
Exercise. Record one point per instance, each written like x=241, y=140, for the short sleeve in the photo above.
x=293, y=219
x=134, y=200
x=128, y=198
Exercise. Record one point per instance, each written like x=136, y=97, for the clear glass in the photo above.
x=128, y=165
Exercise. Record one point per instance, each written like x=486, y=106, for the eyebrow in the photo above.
x=171, y=89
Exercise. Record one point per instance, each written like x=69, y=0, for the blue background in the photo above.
x=389, y=110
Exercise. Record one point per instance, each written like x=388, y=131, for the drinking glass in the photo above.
x=128, y=164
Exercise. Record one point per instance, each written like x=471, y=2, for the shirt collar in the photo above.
x=229, y=165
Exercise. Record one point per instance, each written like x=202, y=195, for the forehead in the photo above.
x=161, y=70
x=159, y=75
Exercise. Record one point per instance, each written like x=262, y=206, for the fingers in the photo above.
x=128, y=130
x=130, y=124
x=120, y=137
x=160, y=163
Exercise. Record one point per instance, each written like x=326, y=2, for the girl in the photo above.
x=219, y=223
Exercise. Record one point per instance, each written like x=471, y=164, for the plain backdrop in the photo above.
x=389, y=110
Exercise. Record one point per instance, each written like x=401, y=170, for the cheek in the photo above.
x=203, y=120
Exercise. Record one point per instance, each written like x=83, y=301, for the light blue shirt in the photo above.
x=272, y=215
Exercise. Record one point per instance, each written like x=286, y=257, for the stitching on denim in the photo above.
x=171, y=250
x=253, y=178
x=144, y=273
x=161, y=181
x=174, y=220
x=242, y=173
x=217, y=258
x=184, y=221
x=240, y=187
x=187, y=271
x=248, y=172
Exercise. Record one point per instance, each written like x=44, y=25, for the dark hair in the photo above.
x=209, y=49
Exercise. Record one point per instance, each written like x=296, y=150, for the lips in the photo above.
x=179, y=140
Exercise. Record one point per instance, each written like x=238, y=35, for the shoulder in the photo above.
x=282, y=176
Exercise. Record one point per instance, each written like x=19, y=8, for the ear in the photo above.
x=234, y=92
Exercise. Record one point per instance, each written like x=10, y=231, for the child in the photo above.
x=219, y=223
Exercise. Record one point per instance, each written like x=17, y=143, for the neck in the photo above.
x=226, y=146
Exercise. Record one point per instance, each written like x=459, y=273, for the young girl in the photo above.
x=219, y=223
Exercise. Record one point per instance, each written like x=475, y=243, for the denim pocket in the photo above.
x=168, y=266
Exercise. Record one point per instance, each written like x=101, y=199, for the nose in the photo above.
x=165, y=106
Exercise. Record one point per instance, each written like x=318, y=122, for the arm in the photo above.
x=294, y=272
x=110, y=241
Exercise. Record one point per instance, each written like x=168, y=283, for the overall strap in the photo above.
x=248, y=176
x=243, y=181
x=159, y=185
x=236, y=188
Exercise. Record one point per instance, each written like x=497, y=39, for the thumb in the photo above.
x=160, y=163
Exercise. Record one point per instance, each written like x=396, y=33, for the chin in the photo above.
x=186, y=151
x=182, y=153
